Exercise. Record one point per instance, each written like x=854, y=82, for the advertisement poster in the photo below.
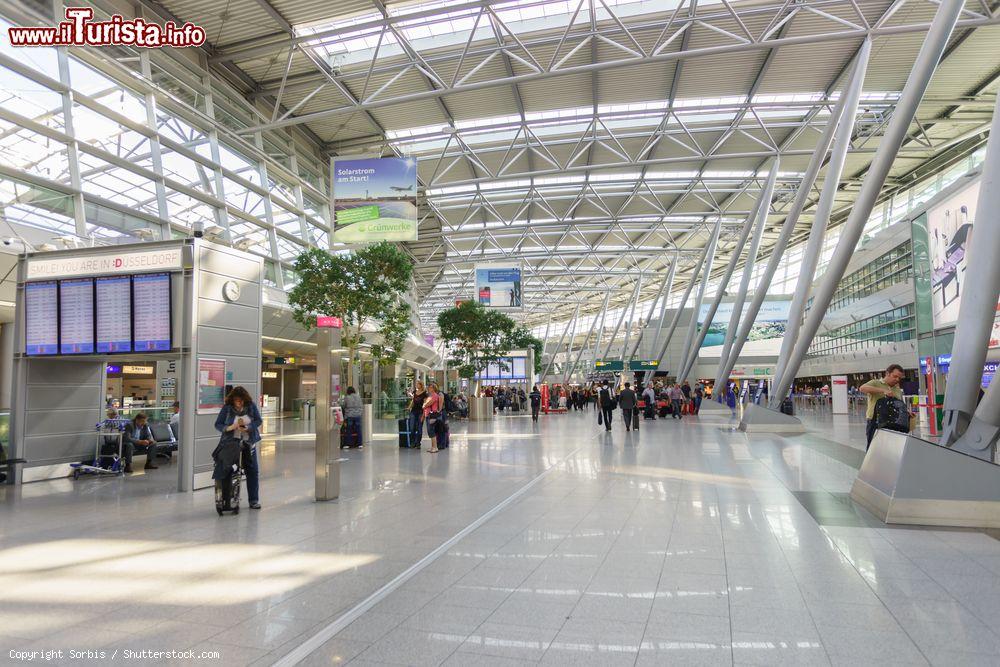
x=375, y=199
x=211, y=384
x=949, y=232
x=499, y=286
x=771, y=322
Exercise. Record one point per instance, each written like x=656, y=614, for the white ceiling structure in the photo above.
x=592, y=140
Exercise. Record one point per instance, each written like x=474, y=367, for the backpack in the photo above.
x=892, y=414
x=449, y=404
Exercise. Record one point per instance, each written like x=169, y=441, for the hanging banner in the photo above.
x=499, y=286
x=374, y=199
x=211, y=384
x=771, y=321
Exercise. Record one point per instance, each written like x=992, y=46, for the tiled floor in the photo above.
x=684, y=542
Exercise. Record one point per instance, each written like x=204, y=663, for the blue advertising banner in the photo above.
x=374, y=199
x=499, y=286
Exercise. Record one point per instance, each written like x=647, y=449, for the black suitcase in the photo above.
x=443, y=435
x=407, y=439
x=648, y=412
x=892, y=414
x=227, y=494
x=635, y=419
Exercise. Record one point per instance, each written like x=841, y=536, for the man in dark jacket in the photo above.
x=627, y=402
x=605, y=404
x=138, y=434
x=536, y=402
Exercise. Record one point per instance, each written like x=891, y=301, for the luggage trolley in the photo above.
x=107, y=458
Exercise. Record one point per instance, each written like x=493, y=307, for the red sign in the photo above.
x=329, y=322
x=840, y=381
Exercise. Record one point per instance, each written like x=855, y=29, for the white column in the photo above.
x=930, y=53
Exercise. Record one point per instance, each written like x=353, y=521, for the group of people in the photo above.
x=654, y=399
x=506, y=399
x=429, y=407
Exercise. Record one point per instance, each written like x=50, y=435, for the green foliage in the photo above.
x=478, y=336
x=365, y=287
x=524, y=339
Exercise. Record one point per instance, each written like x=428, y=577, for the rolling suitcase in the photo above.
x=635, y=419
x=443, y=435
x=407, y=439
x=227, y=494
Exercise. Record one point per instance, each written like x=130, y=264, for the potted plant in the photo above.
x=364, y=288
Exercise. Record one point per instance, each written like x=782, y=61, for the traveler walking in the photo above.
x=536, y=402
x=627, y=402
x=676, y=398
x=606, y=404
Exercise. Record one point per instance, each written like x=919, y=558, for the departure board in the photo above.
x=151, y=312
x=76, y=316
x=114, y=314
x=41, y=318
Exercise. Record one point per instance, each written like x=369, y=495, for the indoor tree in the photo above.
x=365, y=288
x=478, y=336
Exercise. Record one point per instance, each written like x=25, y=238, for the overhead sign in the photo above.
x=374, y=199
x=639, y=365
x=329, y=322
x=135, y=261
x=137, y=370
x=269, y=375
x=499, y=286
x=609, y=365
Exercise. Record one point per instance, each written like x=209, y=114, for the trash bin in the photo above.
x=788, y=407
x=308, y=411
x=367, y=422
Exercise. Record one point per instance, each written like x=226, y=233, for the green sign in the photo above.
x=359, y=214
x=609, y=365
x=761, y=371
x=641, y=365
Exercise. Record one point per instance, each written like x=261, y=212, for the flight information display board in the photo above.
x=151, y=312
x=76, y=316
x=114, y=314
x=41, y=318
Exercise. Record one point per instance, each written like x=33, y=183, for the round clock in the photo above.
x=231, y=290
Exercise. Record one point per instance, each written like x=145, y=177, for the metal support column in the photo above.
x=586, y=340
x=621, y=320
x=831, y=183
x=569, y=346
x=600, y=332
x=665, y=288
x=840, y=111
x=758, y=217
x=741, y=295
x=552, y=357
x=631, y=319
x=923, y=68
x=677, y=313
x=689, y=350
x=976, y=314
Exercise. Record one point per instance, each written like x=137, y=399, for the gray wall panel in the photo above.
x=225, y=342
x=233, y=265
x=65, y=396
x=219, y=314
x=63, y=372
x=48, y=449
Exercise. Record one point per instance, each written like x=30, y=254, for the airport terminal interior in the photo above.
x=499, y=332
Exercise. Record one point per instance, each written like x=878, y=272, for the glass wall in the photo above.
x=121, y=145
x=893, y=267
x=888, y=327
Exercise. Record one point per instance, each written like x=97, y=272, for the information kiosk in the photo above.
x=188, y=301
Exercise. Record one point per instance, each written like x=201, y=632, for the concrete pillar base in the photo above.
x=758, y=419
x=906, y=480
x=709, y=405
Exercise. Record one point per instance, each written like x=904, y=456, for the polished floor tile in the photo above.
x=682, y=543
